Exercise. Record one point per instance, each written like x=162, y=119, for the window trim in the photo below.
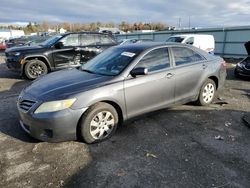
x=186, y=64
x=150, y=50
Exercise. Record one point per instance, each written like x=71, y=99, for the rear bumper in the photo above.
x=51, y=127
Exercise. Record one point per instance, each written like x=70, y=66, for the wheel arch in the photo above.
x=216, y=81
x=39, y=57
x=110, y=102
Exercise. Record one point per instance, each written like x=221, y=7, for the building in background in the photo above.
x=9, y=33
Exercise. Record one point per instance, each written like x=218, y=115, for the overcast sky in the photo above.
x=203, y=13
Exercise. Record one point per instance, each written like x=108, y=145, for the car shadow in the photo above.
x=10, y=88
x=163, y=142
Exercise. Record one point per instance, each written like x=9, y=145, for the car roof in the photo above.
x=86, y=32
x=140, y=47
x=147, y=45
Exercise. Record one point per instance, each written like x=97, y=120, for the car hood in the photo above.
x=63, y=84
x=247, y=46
x=23, y=48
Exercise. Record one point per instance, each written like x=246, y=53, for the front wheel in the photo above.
x=98, y=123
x=207, y=93
x=35, y=68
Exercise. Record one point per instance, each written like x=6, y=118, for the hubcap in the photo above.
x=36, y=70
x=102, y=125
x=208, y=93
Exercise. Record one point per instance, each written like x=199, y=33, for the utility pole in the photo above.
x=189, y=22
x=179, y=23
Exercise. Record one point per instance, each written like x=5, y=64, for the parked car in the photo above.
x=15, y=42
x=58, y=52
x=243, y=67
x=204, y=42
x=131, y=41
x=120, y=83
x=2, y=45
x=35, y=41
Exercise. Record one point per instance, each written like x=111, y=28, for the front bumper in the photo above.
x=51, y=127
x=13, y=63
x=242, y=71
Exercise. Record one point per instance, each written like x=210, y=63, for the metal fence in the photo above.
x=229, y=42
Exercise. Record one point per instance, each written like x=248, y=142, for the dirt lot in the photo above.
x=168, y=148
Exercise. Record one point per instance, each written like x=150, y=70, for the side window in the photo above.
x=105, y=39
x=87, y=39
x=184, y=55
x=155, y=60
x=71, y=40
x=190, y=41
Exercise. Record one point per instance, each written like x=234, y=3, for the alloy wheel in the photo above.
x=102, y=125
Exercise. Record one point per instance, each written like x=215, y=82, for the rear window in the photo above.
x=183, y=55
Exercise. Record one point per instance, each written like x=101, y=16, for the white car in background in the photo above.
x=204, y=42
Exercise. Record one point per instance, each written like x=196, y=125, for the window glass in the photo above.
x=184, y=55
x=190, y=41
x=175, y=39
x=88, y=39
x=106, y=39
x=70, y=40
x=155, y=60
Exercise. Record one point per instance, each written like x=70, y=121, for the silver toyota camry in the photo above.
x=120, y=83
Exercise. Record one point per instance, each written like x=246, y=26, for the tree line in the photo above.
x=74, y=27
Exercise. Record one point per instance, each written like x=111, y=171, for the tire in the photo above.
x=207, y=93
x=94, y=127
x=35, y=68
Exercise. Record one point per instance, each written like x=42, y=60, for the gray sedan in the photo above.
x=120, y=83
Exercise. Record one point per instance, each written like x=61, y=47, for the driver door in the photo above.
x=152, y=91
x=66, y=54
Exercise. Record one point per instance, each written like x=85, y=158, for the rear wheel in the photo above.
x=35, y=68
x=207, y=93
x=98, y=123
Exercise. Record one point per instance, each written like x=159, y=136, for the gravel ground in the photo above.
x=175, y=147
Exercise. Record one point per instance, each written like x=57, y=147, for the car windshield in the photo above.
x=51, y=40
x=175, y=39
x=111, y=62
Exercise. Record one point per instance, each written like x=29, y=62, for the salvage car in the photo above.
x=120, y=83
x=242, y=68
x=58, y=52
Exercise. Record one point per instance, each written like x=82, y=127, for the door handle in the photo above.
x=169, y=75
x=204, y=66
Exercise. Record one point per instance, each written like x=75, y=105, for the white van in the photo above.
x=204, y=42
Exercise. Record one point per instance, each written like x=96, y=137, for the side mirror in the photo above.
x=58, y=45
x=139, y=71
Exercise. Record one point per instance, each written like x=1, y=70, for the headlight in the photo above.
x=54, y=106
x=17, y=53
x=239, y=65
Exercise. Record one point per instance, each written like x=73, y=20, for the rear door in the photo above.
x=189, y=71
x=154, y=90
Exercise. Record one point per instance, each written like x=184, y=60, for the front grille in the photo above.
x=26, y=104
x=247, y=66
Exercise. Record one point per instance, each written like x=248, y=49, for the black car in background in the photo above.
x=243, y=67
x=58, y=52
